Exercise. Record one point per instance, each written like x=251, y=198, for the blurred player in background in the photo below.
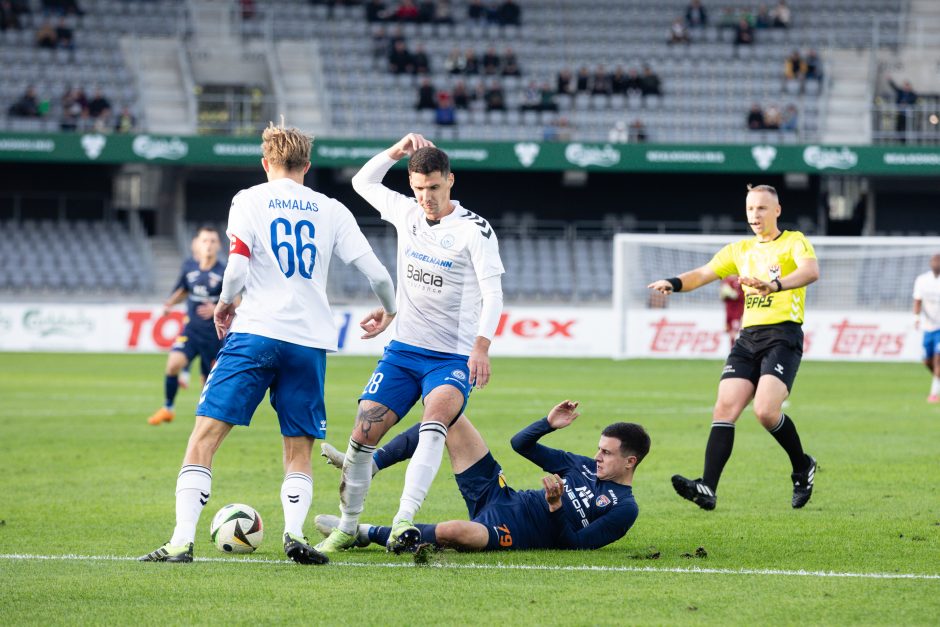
x=732, y=296
x=585, y=503
x=927, y=319
x=200, y=284
x=775, y=267
x=283, y=236
x=451, y=298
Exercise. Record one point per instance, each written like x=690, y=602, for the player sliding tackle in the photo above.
x=775, y=267
x=585, y=503
x=450, y=299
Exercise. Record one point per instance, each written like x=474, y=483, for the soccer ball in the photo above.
x=237, y=528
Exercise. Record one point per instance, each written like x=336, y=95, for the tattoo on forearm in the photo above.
x=366, y=418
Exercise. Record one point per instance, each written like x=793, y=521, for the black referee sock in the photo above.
x=717, y=452
x=786, y=435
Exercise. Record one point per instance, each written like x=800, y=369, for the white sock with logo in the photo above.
x=193, y=487
x=935, y=387
x=296, y=495
x=357, y=476
x=422, y=469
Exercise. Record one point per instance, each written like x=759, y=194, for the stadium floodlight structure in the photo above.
x=861, y=278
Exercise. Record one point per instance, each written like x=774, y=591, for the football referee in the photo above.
x=775, y=267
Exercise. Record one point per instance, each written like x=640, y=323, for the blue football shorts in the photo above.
x=248, y=365
x=931, y=344
x=407, y=373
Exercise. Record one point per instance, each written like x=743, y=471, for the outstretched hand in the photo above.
x=663, y=286
x=408, y=145
x=762, y=288
x=376, y=322
x=563, y=414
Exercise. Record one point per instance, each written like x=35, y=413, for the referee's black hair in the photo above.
x=634, y=440
x=429, y=159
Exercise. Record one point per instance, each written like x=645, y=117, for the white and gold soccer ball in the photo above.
x=237, y=528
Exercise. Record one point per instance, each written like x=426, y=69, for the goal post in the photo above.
x=859, y=309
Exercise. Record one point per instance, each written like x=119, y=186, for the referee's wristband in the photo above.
x=779, y=285
x=676, y=284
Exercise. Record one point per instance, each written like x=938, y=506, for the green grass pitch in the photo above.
x=85, y=475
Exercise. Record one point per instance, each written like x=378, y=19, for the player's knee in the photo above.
x=768, y=413
x=726, y=411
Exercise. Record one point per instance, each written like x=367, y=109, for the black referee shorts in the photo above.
x=774, y=349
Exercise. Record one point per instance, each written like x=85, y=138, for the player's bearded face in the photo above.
x=432, y=192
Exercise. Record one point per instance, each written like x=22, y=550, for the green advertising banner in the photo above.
x=547, y=156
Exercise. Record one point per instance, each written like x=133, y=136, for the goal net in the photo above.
x=859, y=309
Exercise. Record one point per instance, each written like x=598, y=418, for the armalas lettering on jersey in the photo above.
x=294, y=204
x=534, y=328
x=865, y=340
x=684, y=337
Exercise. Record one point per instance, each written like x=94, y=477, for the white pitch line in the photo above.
x=693, y=570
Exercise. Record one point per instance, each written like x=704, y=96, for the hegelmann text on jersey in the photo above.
x=292, y=203
x=442, y=263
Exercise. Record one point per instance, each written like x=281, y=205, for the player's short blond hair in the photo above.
x=763, y=188
x=285, y=146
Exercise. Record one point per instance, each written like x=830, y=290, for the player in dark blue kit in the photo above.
x=199, y=285
x=585, y=503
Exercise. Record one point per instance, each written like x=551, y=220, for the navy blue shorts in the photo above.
x=193, y=344
x=406, y=373
x=493, y=504
x=249, y=365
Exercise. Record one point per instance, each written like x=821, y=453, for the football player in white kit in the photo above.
x=927, y=319
x=450, y=299
x=283, y=236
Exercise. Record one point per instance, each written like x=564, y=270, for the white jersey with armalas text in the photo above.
x=289, y=233
x=440, y=267
x=927, y=291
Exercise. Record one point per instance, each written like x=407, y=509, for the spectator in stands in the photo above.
x=376, y=11
x=638, y=132
x=426, y=11
x=380, y=46
x=695, y=15
x=763, y=19
x=678, y=33
x=755, y=118
x=790, y=123
x=477, y=12
x=28, y=105
x=74, y=109
x=399, y=60
x=446, y=113
x=398, y=35
x=618, y=81
x=905, y=98
x=618, y=133
x=407, y=11
x=510, y=63
x=125, y=121
x=248, y=9
x=104, y=121
x=46, y=36
x=65, y=36
x=814, y=68
x=420, y=61
x=492, y=63
x=98, y=104
x=426, y=96
x=772, y=118
x=729, y=19
x=634, y=82
x=442, y=14
x=455, y=63
x=531, y=97
x=471, y=64
x=794, y=67
x=9, y=16
x=650, y=85
x=509, y=14
x=600, y=83
x=781, y=15
x=583, y=82
x=564, y=82
x=494, y=98
x=547, y=98
x=743, y=34
x=61, y=7
x=462, y=97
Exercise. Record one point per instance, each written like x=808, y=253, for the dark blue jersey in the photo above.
x=594, y=512
x=201, y=286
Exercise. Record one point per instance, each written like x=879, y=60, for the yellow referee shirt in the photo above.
x=767, y=261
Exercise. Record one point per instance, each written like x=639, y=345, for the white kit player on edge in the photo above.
x=283, y=236
x=450, y=299
x=927, y=319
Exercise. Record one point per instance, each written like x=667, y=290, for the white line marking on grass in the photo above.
x=693, y=570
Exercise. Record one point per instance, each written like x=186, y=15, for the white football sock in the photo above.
x=935, y=387
x=357, y=476
x=193, y=487
x=296, y=494
x=421, y=469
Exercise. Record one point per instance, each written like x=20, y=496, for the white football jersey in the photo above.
x=290, y=233
x=927, y=290
x=439, y=267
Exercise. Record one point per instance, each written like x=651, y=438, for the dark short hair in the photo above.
x=427, y=160
x=209, y=228
x=763, y=188
x=634, y=440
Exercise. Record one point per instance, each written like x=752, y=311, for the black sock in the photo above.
x=786, y=435
x=717, y=452
x=170, y=386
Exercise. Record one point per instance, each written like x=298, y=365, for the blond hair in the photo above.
x=762, y=188
x=286, y=147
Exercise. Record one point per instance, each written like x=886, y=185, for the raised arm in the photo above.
x=548, y=459
x=368, y=181
x=685, y=282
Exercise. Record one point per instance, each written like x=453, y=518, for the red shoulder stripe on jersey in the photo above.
x=239, y=247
